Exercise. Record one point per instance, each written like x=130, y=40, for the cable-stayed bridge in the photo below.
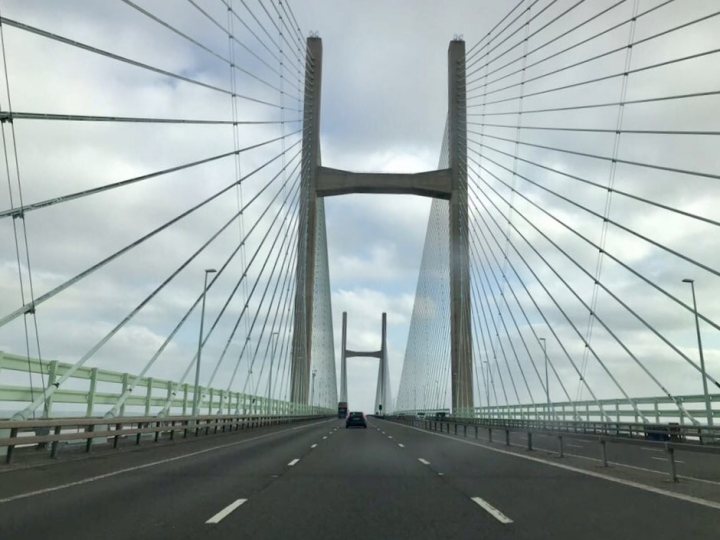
x=166, y=279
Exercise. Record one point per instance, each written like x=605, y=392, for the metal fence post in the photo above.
x=54, y=445
x=11, y=447
x=560, y=440
x=116, y=438
x=169, y=397
x=671, y=459
x=125, y=383
x=603, y=446
x=682, y=416
x=148, y=395
x=507, y=437
x=52, y=377
x=529, y=440
x=89, y=440
x=91, y=392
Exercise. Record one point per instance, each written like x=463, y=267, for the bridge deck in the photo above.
x=319, y=480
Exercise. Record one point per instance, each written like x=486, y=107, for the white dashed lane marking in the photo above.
x=222, y=514
x=423, y=461
x=665, y=459
x=490, y=509
x=293, y=462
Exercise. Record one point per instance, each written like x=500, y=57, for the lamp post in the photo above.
x=487, y=387
x=312, y=391
x=196, y=397
x=547, y=380
x=272, y=358
x=708, y=405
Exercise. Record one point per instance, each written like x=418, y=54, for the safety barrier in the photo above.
x=53, y=431
x=671, y=437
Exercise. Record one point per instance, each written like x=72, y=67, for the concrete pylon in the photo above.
x=382, y=392
x=307, y=226
x=343, y=360
x=383, y=395
x=450, y=184
x=460, y=316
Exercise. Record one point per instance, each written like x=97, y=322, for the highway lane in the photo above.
x=360, y=484
x=162, y=493
x=651, y=457
x=549, y=502
x=323, y=481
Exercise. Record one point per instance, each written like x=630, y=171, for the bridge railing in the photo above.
x=94, y=389
x=91, y=431
x=659, y=409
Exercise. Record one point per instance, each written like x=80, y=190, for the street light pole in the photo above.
x=487, y=386
x=547, y=381
x=312, y=391
x=272, y=359
x=708, y=405
x=196, y=397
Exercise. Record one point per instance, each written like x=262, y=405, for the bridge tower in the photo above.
x=449, y=184
x=383, y=397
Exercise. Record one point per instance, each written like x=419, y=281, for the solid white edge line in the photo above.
x=151, y=464
x=293, y=462
x=624, y=465
x=222, y=514
x=629, y=483
x=490, y=509
x=423, y=461
x=665, y=459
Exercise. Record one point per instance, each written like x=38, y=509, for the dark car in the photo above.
x=355, y=419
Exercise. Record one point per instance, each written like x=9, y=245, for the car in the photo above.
x=355, y=419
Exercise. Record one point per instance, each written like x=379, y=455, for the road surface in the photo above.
x=318, y=480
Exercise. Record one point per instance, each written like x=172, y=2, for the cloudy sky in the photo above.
x=384, y=101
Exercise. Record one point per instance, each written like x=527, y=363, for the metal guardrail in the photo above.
x=53, y=431
x=670, y=437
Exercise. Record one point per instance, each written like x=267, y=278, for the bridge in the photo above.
x=173, y=350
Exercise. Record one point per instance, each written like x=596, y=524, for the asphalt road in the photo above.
x=320, y=481
x=649, y=456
